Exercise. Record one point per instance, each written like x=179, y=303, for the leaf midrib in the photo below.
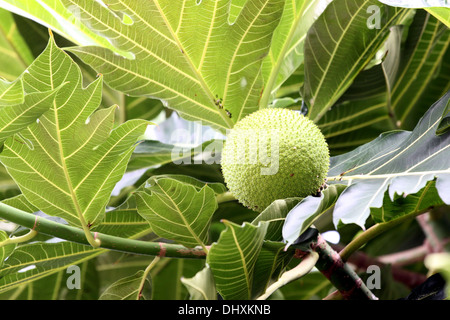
x=244, y=262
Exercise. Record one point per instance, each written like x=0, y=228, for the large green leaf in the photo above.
x=68, y=162
x=233, y=259
x=177, y=210
x=397, y=205
x=184, y=72
x=340, y=43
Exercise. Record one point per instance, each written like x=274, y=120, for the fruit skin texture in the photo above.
x=299, y=166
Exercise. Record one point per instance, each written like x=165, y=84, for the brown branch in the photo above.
x=410, y=279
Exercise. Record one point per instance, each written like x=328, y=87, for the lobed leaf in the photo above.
x=184, y=72
x=68, y=162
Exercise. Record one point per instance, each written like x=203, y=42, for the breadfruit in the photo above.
x=274, y=154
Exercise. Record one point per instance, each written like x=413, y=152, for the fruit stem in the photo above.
x=225, y=197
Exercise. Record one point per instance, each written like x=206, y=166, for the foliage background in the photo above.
x=318, y=57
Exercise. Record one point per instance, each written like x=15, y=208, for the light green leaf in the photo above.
x=21, y=203
x=53, y=15
x=201, y=286
x=14, y=118
x=442, y=14
x=15, y=56
x=124, y=221
x=134, y=287
x=286, y=50
x=271, y=263
x=217, y=187
x=184, y=73
x=233, y=259
x=340, y=43
x=68, y=162
x=177, y=210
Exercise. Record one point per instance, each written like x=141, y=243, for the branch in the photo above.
x=340, y=274
x=65, y=232
x=408, y=278
x=436, y=230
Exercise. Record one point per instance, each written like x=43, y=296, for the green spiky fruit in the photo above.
x=274, y=154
